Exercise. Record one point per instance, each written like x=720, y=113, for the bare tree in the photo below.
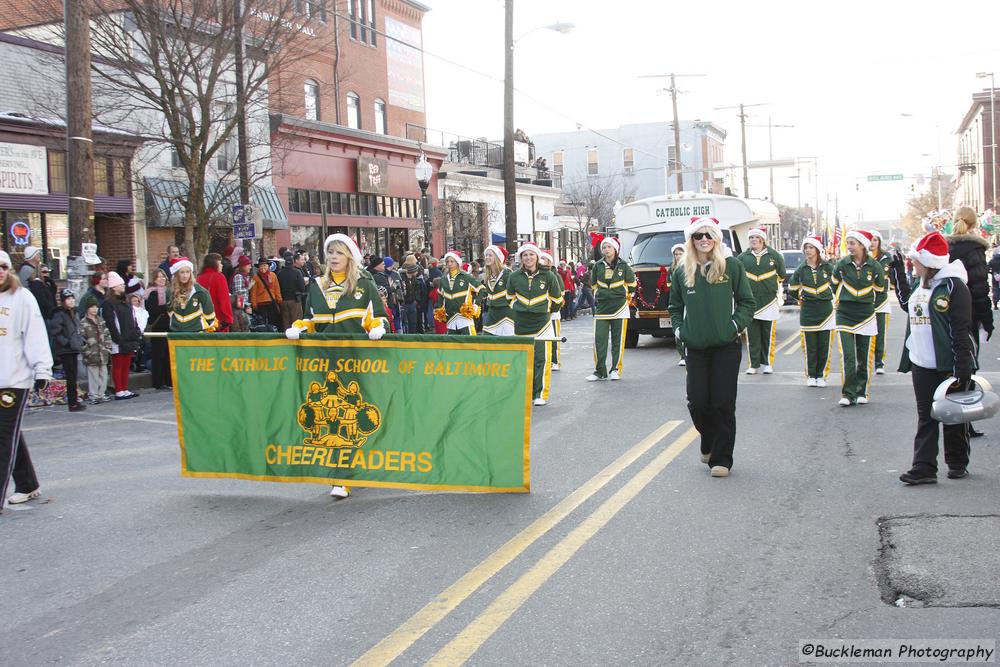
x=166, y=69
x=921, y=205
x=592, y=202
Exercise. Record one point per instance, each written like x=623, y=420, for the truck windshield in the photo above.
x=654, y=249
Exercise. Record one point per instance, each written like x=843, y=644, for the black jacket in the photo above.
x=46, y=299
x=64, y=332
x=121, y=324
x=994, y=265
x=971, y=250
x=159, y=319
x=292, y=283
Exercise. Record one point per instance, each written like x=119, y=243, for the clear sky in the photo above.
x=841, y=73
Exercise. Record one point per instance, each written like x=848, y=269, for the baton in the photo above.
x=154, y=334
x=551, y=339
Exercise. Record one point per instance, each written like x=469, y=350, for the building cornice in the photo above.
x=330, y=132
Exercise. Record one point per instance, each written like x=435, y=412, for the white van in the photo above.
x=649, y=228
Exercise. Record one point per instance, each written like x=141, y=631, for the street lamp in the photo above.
x=424, y=172
x=509, y=191
x=993, y=134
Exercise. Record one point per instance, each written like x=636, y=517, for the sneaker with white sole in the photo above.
x=720, y=471
x=844, y=402
x=340, y=492
x=613, y=375
x=766, y=370
x=820, y=382
x=751, y=371
x=539, y=401
x=594, y=378
x=862, y=400
x=811, y=382
x=682, y=363
x=555, y=367
x=879, y=371
x=19, y=498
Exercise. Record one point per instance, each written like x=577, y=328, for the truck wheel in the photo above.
x=631, y=338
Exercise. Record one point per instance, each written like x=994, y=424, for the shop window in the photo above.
x=293, y=200
x=380, y=120
x=354, y=204
x=362, y=205
x=312, y=100
x=120, y=180
x=380, y=201
x=334, y=203
x=303, y=201
x=345, y=204
x=101, y=176
x=314, y=201
x=353, y=111
x=57, y=171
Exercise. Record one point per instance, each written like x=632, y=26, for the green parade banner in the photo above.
x=413, y=412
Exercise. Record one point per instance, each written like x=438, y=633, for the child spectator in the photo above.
x=241, y=314
x=96, y=350
x=67, y=344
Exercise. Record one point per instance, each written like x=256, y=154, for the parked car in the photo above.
x=792, y=260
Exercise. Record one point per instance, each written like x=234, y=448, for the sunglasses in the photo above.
x=697, y=236
x=4, y=267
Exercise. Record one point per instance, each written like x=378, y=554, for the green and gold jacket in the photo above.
x=495, y=299
x=856, y=289
x=456, y=291
x=613, y=285
x=814, y=290
x=532, y=301
x=332, y=310
x=766, y=273
x=198, y=314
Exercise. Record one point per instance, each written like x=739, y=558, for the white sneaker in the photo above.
x=720, y=471
x=340, y=492
x=811, y=382
x=751, y=371
x=820, y=382
x=19, y=498
x=613, y=375
x=593, y=378
x=539, y=401
x=766, y=370
x=844, y=402
x=682, y=362
x=879, y=371
x=862, y=400
x=555, y=367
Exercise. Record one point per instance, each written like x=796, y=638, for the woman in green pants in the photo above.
x=857, y=280
x=811, y=285
x=613, y=283
x=530, y=289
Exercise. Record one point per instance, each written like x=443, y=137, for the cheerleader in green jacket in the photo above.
x=498, y=320
x=811, y=285
x=678, y=252
x=189, y=304
x=344, y=300
x=458, y=297
x=613, y=283
x=882, y=306
x=857, y=280
x=765, y=268
x=531, y=288
x=555, y=312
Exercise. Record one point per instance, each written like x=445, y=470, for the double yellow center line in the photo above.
x=480, y=629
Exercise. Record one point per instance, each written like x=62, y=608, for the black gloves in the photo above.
x=41, y=384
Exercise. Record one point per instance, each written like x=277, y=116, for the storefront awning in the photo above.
x=165, y=202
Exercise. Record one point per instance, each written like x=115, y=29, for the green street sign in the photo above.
x=885, y=177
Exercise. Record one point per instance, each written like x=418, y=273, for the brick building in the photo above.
x=355, y=105
x=976, y=170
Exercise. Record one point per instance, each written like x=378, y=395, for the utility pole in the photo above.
x=241, y=120
x=770, y=149
x=676, y=165
x=743, y=139
x=509, y=185
x=79, y=143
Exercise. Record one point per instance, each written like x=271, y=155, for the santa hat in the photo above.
x=815, y=242
x=613, y=242
x=676, y=247
x=528, y=246
x=545, y=254
x=757, y=231
x=498, y=251
x=931, y=251
x=699, y=222
x=349, y=242
x=455, y=255
x=861, y=236
x=176, y=265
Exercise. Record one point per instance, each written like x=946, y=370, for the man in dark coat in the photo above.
x=994, y=268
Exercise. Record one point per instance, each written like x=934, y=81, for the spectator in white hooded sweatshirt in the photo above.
x=27, y=363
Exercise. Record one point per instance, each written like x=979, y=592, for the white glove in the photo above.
x=293, y=333
x=376, y=333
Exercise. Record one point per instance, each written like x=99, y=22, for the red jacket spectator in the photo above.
x=568, y=279
x=211, y=279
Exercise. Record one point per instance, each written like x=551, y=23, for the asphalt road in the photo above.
x=625, y=552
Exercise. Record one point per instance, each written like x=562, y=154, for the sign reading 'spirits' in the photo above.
x=24, y=170
x=419, y=412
